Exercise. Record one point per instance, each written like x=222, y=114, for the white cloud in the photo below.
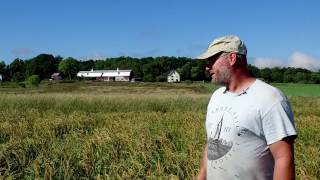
x=267, y=62
x=297, y=60
x=300, y=60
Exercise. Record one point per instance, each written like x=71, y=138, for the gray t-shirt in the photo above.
x=241, y=126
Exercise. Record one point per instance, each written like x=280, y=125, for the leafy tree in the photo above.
x=147, y=68
x=301, y=77
x=33, y=80
x=17, y=70
x=315, y=78
x=162, y=78
x=2, y=67
x=254, y=71
x=288, y=75
x=43, y=65
x=2, y=70
x=69, y=67
x=99, y=65
x=276, y=75
x=151, y=71
x=195, y=73
x=148, y=78
x=195, y=70
x=266, y=74
x=86, y=65
x=58, y=59
x=185, y=71
x=148, y=74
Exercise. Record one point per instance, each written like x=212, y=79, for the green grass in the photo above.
x=299, y=89
x=122, y=131
x=88, y=87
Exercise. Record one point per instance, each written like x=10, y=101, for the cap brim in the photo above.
x=207, y=54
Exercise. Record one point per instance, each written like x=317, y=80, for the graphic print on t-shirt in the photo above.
x=222, y=127
x=218, y=147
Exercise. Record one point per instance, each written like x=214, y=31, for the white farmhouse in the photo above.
x=173, y=76
x=107, y=75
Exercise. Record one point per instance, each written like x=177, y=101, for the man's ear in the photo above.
x=232, y=59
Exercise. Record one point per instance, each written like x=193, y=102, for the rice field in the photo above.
x=122, y=131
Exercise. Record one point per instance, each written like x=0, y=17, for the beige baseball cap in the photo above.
x=229, y=43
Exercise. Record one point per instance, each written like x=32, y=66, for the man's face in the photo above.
x=219, y=69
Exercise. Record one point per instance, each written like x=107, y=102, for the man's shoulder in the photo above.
x=266, y=96
x=268, y=91
x=219, y=91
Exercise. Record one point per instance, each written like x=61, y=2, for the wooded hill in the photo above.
x=149, y=69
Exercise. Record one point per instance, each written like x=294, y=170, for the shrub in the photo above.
x=33, y=80
x=22, y=84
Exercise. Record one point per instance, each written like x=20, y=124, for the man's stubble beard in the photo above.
x=222, y=77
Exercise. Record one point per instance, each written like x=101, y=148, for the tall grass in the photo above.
x=74, y=136
x=131, y=135
x=307, y=147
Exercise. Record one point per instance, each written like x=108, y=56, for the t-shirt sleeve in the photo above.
x=278, y=122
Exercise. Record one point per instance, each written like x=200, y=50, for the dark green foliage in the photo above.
x=315, y=78
x=86, y=65
x=185, y=71
x=17, y=70
x=43, y=65
x=33, y=80
x=253, y=71
x=2, y=67
x=22, y=84
x=276, y=75
x=266, y=74
x=149, y=69
x=69, y=67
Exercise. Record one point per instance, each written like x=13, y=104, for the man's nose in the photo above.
x=207, y=69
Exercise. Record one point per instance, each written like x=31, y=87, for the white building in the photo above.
x=173, y=76
x=107, y=75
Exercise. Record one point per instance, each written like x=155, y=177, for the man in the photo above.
x=249, y=123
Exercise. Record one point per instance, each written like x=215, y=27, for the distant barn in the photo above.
x=107, y=75
x=55, y=77
x=173, y=76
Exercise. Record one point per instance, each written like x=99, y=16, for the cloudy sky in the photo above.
x=277, y=33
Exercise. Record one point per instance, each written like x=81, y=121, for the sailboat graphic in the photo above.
x=218, y=129
x=218, y=147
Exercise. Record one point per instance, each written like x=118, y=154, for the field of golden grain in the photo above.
x=113, y=131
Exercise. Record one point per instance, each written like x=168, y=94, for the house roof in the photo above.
x=55, y=74
x=104, y=73
x=172, y=72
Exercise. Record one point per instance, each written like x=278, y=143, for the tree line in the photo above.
x=149, y=69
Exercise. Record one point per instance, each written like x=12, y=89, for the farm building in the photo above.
x=107, y=75
x=55, y=77
x=173, y=76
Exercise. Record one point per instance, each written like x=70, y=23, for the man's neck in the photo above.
x=240, y=82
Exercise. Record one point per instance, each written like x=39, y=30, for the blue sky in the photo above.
x=275, y=32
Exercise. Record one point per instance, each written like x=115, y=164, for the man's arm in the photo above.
x=203, y=167
x=283, y=154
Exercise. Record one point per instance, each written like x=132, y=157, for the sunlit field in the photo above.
x=124, y=130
